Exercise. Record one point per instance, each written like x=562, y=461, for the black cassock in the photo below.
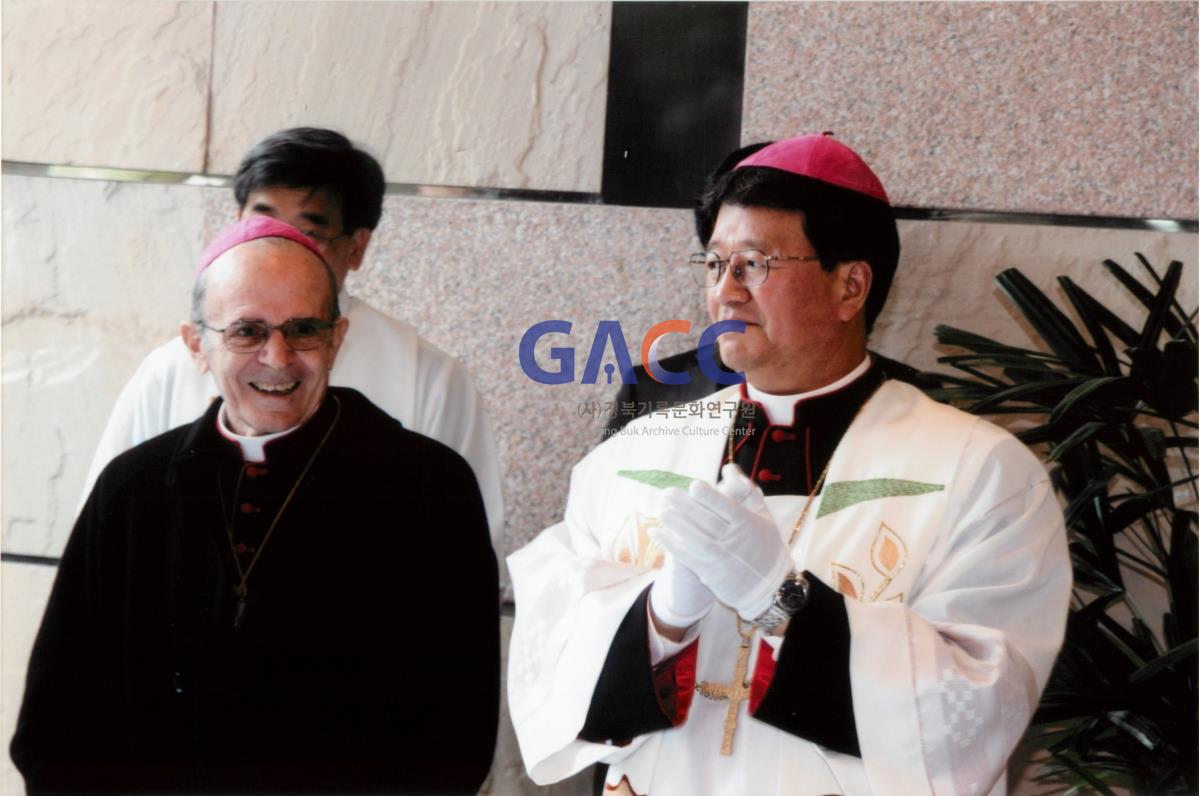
x=339, y=673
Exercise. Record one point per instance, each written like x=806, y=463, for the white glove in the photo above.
x=677, y=597
x=726, y=536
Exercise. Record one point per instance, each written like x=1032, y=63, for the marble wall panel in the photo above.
x=505, y=95
x=1074, y=108
x=95, y=275
x=106, y=83
x=947, y=269
x=24, y=590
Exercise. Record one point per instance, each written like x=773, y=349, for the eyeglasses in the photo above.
x=750, y=267
x=300, y=334
x=322, y=240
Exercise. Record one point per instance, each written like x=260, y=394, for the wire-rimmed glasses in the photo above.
x=300, y=334
x=750, y=266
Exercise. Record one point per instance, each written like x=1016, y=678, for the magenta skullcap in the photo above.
x=821, y=157
x=249, y=229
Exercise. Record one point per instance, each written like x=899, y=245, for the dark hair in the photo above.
x=841, y=224
x=310, y=157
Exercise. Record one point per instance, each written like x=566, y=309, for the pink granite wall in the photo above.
x=1069, y=108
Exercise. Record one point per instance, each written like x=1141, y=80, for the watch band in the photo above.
x=790, y=599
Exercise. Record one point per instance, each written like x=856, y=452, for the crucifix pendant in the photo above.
x=240, y=592
x=737, y=691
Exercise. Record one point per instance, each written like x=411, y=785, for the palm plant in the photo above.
x=1113, y=410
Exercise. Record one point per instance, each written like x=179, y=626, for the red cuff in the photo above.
x=764, y=672
x=675, y=682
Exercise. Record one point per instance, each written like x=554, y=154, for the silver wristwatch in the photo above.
x=790, y=598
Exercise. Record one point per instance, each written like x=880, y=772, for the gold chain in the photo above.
x=240, y=589
x=738, y=690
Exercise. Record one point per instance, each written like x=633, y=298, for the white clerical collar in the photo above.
x=253, y=448
x=781, y=409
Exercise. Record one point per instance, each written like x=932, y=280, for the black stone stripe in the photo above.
x=675, y=78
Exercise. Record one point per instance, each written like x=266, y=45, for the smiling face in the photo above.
x=804, y=325
x=318, y=214
x=271, y=280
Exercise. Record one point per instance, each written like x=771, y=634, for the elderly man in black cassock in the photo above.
x=247, y=602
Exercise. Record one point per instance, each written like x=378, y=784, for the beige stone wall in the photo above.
x=478, y=94
x=107, y=83
x=24, y=589
x=1082, y=109
x=95, y=275
x=468, y=93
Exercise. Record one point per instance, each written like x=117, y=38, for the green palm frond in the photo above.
x=1114, y=409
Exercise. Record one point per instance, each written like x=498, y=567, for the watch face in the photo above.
x=793, y=594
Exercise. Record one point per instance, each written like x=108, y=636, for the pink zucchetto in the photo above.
x=821, y=157
x=249, y=229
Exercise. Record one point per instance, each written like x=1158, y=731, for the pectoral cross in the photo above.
x=737, y=691
x=239, y=591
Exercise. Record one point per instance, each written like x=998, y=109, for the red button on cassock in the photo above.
x=248, y=508
x=767, y=475
x=779, y=435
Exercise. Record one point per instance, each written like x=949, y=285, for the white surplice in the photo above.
x=949, y=550
x=384, y=358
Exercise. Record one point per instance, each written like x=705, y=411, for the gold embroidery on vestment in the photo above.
x=634, y=545
x=888, y=555
x=888, y=552
x=847, y=581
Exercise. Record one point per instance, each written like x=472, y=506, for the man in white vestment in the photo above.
x=318, y=181
x=817, y=582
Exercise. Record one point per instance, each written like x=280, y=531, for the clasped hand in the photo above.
x=721, y=540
